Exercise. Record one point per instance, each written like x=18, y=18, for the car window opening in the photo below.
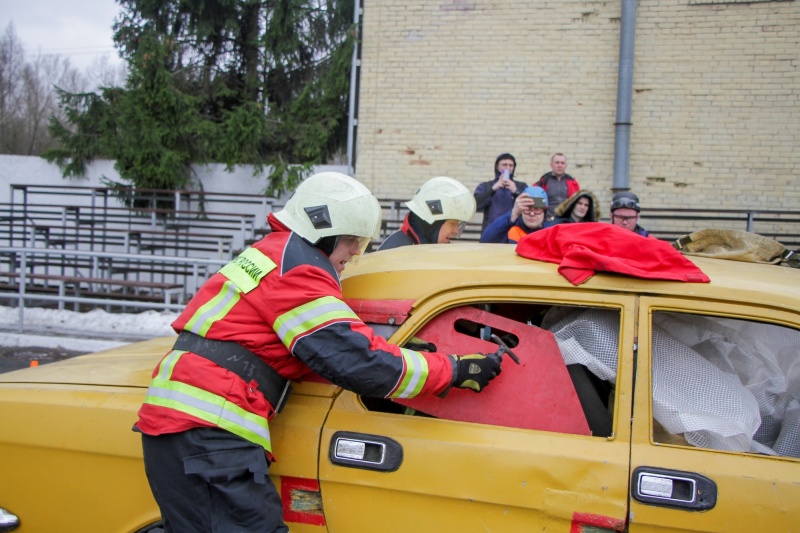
x=726, y=384
x=586, y=339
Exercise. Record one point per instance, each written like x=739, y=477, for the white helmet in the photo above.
x=443, y=199
x=330, y=203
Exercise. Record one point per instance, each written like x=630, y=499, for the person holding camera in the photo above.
x=527, y=216
x=496, y=197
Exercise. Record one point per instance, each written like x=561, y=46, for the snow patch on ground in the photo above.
x=91, y=331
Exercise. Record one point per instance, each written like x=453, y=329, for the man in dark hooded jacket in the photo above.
x=580, y=207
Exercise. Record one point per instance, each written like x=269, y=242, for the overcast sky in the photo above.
x=78, y=29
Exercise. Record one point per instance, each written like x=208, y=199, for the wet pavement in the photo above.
x=16, y=357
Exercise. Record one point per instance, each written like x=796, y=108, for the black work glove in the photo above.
x=475, y=371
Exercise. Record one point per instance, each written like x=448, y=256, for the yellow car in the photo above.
x=637, y=405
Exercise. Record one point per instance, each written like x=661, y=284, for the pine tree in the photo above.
x=229, y=81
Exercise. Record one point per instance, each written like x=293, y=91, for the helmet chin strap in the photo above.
x=430, y=232
x=327, y=244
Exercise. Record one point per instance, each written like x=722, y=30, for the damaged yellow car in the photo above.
x=637, y=405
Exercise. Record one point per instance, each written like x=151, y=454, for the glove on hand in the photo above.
x=475, y=371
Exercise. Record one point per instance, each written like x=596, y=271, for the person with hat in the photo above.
x=527, y=216
x=496, y=197
x=274, y=314
x=625, y=211
x=437, y=213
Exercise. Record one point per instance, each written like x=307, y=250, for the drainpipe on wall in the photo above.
x=352, y=121
x=622, y=132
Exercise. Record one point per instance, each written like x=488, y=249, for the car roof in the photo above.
x=416, y=272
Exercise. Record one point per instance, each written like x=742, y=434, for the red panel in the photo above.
x=292, y=514
x=595, y=523
x=393, y=312
x=538, y=394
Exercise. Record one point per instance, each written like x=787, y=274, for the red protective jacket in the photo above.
x=582, y=249
x=281, y=299
x=572, y=184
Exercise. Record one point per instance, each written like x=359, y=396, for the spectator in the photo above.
x=625, y=212
x=525, y=217
x=438, y=212
x=558, y=184
x=496, y=197
x=580, y=207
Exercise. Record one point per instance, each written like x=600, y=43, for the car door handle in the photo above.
x=673, y=488
x=360, y=450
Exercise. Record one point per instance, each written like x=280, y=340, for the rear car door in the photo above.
x=716, y=425
x=471, y=469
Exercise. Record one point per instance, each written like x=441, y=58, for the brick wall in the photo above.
x=447, y=85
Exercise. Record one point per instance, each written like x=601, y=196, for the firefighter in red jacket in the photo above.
x=273, y=314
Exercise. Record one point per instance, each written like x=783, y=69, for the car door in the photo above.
x=388, y=471
x=705, y=372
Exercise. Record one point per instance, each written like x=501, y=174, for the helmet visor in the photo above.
x=353, y=243
x=461, y=226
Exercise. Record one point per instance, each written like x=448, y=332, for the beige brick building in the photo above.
x=447, y=85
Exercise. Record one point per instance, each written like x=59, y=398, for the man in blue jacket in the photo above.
x=527, y=216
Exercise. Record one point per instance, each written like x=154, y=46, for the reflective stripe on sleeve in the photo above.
x=415, y=374
x=211, y=408
x=306, y=317
x=168, y=363
x=213, y=310
x=247, y=269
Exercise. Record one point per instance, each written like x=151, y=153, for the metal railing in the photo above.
x=162, y=296
x=86, y=274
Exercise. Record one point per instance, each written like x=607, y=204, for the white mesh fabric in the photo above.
x=766, y=360
x=691, y=396
x=723, y=383
x=589, y=337
x=788, y=441
x=722, y=345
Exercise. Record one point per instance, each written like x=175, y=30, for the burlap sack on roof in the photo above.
x=736, y=246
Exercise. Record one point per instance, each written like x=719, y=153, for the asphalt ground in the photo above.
x=16, y=357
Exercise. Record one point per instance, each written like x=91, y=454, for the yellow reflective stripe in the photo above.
x=308, y=316
x=167, y=364
x=211, y=408
x=213, y=310
x=415, y=375
x=247, y=269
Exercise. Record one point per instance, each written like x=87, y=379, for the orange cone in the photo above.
x=34, y=363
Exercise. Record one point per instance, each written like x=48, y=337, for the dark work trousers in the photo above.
x=209, y=480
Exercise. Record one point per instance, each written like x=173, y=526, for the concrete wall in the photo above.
x=37, y=171
x=447, y=85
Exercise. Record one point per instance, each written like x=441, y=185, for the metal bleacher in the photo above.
x=118, y=247
x=120, y=244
